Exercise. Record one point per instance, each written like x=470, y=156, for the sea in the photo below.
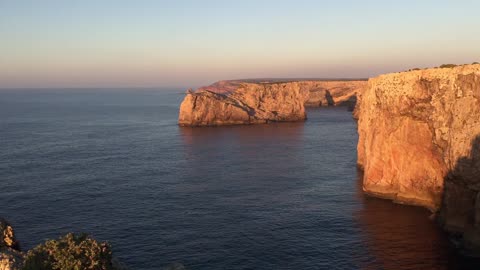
x=114, y=163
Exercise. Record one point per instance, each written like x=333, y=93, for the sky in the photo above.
x=190, y=43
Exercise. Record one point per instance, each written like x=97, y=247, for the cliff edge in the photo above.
x=419, y=142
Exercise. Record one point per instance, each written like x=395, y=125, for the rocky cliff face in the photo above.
x=253, y=102
x=419, y=142
x=315, y=93
x=247, y=103
x=332, y=93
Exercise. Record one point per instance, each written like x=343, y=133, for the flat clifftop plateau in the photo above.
x=419, y=142
x=263, y=101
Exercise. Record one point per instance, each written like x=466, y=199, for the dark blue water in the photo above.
x=114, y=163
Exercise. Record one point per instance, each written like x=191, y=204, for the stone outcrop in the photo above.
x=11, y=259
x=10, y=256
x=257, y=101
x=419, y=143
x=332, y=93
x=248, y=103
x=316, y=93
x=68, y=252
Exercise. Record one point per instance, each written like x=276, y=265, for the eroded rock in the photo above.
x=419, y=142
x=254, y=102
x=249, y=103
x=11, y=258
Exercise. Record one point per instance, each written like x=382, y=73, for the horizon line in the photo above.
x=185, y=87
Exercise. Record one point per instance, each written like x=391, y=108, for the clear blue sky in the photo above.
x=77, y=43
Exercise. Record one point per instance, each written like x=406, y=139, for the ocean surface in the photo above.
x=114, y=163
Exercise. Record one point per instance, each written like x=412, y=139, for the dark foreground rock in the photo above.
x=68, y=252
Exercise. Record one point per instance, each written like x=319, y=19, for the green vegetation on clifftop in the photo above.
x=70, y=252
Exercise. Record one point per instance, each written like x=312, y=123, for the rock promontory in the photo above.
x=263, y=101
x=419, y=143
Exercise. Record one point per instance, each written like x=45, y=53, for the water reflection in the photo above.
x=245, y=133
x=404, y=237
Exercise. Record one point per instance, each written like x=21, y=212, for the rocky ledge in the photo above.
x=419, y=143
x=68, y=252
x=256, y=102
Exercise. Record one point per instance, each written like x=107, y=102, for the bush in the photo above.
x=72, y=252
x=448, y=66
x=475, y=63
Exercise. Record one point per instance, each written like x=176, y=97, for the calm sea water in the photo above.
x=114, y=163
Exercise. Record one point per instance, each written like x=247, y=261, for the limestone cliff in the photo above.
x=262, y=101
x=332, y=93
x=316, y=93
x=247, y=103
x=419, y=142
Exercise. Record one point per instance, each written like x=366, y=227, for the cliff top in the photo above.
x=228, y=86
x=443, y=71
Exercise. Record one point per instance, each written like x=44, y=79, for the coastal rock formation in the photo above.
x=7, y=236
x=11, y=259
x=419, y=143
x=248, y=103
x=332, y=93
x=316, y=93
x=254, y=101
x=68, y=252
x=10, y=256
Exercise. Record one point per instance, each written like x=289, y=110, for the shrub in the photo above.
x=72, y=252
x=475, y=63
x=448, y=66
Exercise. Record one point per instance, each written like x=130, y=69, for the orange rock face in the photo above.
x=332, y=93
x=247, y=103
x=252, y=102
x=419, y=142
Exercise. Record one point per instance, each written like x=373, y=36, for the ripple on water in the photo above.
x=279, y=196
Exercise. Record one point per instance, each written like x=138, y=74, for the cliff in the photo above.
x=254, y=101
x=419, y=143
x=332, y=93
x=247, y=103
x=315, y=93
